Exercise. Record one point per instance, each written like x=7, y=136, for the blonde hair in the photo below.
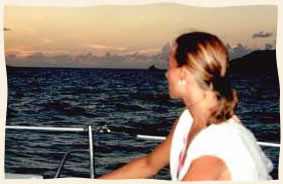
x=206, y=57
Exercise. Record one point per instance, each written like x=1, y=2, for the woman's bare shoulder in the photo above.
x=207, y=168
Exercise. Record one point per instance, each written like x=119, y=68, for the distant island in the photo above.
x=260, y=61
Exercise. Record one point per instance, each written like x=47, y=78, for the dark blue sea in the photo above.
x=125, y=101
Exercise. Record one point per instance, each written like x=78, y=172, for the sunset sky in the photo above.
x=127, y=36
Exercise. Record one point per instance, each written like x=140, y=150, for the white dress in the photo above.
x=230, y=141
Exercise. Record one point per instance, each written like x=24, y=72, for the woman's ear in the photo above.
x=183, y=73
x=182, y=76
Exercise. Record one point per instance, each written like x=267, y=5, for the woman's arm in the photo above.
x=146, y=166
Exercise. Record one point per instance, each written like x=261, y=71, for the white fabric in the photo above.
x=230, y=141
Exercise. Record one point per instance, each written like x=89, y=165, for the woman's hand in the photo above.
x=146, y=166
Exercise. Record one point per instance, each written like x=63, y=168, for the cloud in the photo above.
x=97, y=48
x=39, y=59
x=237, y=51
x=105, y=47
x=160, y=60
x=262, y=34
x=142, y=51
x=135, y=59
x=268, y=46
x=7, y=29
x=20, y=51
x=27, y=51
x=24, y=57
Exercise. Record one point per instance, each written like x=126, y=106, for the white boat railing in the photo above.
x=138, y=136
x=91, y=152
x=161, y=138
x=61, y=129
x=91, y=147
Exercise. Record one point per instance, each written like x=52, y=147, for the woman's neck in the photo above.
x=202, y=110
x=200, y=117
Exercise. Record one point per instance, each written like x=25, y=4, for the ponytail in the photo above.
x=227, y=102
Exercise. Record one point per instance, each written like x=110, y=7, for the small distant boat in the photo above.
x=154, y=69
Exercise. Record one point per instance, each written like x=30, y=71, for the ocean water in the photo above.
x=127, y=102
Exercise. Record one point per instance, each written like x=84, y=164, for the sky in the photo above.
x=135, y=36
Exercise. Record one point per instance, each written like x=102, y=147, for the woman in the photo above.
x=207, y=141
